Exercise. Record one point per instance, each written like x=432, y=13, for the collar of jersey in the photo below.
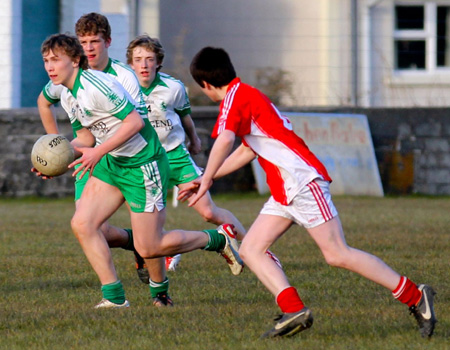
x=77, y=84
x=235, y=81
x=109, y=69
x=157, y=81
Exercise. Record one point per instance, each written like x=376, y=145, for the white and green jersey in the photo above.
x=167, y=102
x=99, y=103
x=119, y=71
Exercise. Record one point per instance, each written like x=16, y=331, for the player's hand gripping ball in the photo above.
x=51, y=154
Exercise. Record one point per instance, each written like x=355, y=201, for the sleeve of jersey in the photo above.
x=182, y=105
x=76, y=125
x=114, y=100
x=233, y=117
x=131, y=85
x=52, y=92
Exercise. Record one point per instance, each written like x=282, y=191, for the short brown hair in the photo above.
x=67, y=44
x=151, y=44
x=93, y=24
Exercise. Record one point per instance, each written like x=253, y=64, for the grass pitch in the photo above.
x=48, y=289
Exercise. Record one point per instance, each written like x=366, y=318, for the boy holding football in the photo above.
x=94, y=33
x=299, y=186
x=127, y=164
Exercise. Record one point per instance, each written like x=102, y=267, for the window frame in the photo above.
x=427, y=34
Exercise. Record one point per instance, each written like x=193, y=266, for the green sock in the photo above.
x=216, y=241
x=114, y=292
x=130, y=243
x=158, y=287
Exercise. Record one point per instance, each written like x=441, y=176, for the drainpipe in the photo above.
x=354, y=46
x=366, y=18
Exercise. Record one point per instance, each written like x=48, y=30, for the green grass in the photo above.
x=48, y=289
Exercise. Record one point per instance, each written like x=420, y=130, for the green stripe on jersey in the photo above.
x=96, y=82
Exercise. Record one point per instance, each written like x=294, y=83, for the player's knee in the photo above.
x=79, y=226
x=148, y=252
x=335, y=259
x=208, y=214
x=105, y=229
x=244, y=253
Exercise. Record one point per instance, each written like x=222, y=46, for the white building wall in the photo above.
x=149, y=18
x=10, y=41
x=310, y=40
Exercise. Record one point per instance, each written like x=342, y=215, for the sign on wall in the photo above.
x=344, y=145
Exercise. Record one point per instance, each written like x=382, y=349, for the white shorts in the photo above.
x=311, y=207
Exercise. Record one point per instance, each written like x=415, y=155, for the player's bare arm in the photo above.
x=47, y=116
x=195, y=144
x=221, y=149
x=84, y=139
x=240, y=157
x=236, y=160
x=131, y=125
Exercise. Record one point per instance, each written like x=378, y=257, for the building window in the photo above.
x=421, y=37
x=443, y=36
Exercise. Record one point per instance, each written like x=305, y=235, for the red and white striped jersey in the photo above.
x=284, y=156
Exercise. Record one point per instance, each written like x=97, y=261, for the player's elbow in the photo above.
x=138, y=124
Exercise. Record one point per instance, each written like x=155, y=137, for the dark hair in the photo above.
x=151, y=44
x=212, y=65
x=67, y=44
x=93, y=24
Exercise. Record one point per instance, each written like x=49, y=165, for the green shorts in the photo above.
x=144, y=188
x=182, y=167
x=80, y=183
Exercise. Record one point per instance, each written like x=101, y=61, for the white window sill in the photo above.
x=441, y=78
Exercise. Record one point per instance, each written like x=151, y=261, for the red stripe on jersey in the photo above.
x=274, y=181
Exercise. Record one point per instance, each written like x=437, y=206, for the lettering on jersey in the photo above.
x=149, y=108
x=166, y=124
x=99, y=128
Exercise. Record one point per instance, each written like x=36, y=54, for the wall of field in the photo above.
x=412, y=148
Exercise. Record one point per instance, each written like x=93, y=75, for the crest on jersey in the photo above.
x=87, y=112
x=114, y=98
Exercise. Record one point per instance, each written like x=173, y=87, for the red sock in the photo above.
x=407, y=292
x=289, y=301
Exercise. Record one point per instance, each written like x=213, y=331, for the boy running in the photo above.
x=169, y=112
x=299, y=185
x=127, y=164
